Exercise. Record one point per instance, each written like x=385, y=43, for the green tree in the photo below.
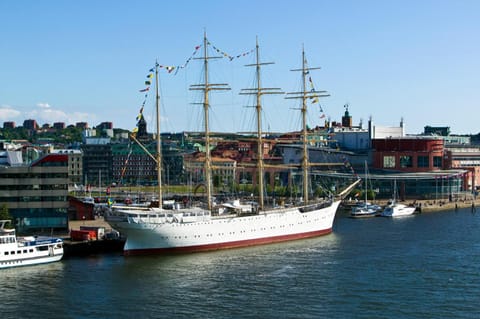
x=4, y=213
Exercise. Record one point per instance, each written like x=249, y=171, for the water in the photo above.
x=424, y=266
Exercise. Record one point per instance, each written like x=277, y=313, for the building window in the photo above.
x=422, y=161
x=437, y=161
x=406, y=161
x=389, y=162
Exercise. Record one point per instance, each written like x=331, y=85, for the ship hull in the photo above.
x=225, y=232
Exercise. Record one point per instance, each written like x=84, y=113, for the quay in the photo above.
x=430, y=206
x=76, y=248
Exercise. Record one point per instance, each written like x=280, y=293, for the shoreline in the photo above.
x=429, y=206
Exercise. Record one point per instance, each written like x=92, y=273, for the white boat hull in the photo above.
x=398, y=210
x=29, y=255
x=144, y=237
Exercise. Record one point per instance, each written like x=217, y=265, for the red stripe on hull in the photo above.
x=226, y=245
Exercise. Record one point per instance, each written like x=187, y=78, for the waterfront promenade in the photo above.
x=431, y=206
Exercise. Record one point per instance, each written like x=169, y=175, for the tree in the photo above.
x=4, y=213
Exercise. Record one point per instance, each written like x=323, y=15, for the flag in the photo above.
x=150, y=76
x=148, y=82
x=322, y=116
x=145, y=89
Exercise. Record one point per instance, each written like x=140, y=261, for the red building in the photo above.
x=408, y=154
x=9, y=124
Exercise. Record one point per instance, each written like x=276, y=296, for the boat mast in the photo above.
x=206, y=87
x=159, y=142
x=259, y=91
x=304, y=95
x=157, y=157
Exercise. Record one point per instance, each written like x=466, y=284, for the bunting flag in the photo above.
x=314, y=98
x=230, y=57
x=347, y=164
x=171, y=68
x=126, y=162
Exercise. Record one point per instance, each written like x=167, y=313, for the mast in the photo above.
x=259, y=91
x=206, y=87
x=159, y=142
x=304, y=95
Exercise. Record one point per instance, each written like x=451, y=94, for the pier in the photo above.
x=74, y=248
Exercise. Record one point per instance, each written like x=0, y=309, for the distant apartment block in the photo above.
x=105, y=126
x=30, y=124
x=8, y=125
x=82, y=125
x=59, y=125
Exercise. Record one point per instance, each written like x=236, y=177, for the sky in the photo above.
x=85, y=61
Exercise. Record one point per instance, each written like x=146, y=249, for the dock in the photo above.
x=74, y=248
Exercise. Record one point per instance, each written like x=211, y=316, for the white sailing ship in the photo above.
x=23, y=251
x=158, y=230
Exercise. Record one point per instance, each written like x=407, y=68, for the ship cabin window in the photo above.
x=24, y=251
x=6, y=253
x=12, y=253
x=19, y=251
x=30, y=250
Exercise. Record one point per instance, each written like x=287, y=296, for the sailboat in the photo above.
x=156, y=230
x=365, y=208
x=395, y=209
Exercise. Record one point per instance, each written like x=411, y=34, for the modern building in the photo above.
x=97, y=162
x=36, y=194
x=417, y=166
x=75, y=166
x=408, y=154
x=467, y=158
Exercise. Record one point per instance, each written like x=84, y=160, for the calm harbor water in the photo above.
x=424, y=266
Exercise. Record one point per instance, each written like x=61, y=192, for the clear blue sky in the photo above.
x=72, y=61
